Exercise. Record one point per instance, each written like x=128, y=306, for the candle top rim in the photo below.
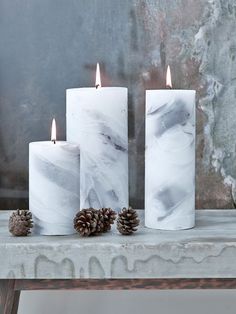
x=106, y=88
x=169, y=90
x=66, y=143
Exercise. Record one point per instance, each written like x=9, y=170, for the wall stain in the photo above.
x=95, y=268
x=63, y=269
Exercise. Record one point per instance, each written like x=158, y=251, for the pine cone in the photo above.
x=127, y=221
x=20, y=222
x=100, y=223
x=85, y=222
x=109, y=216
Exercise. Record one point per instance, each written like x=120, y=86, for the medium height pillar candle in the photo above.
x=170, y=159
x=97, y=120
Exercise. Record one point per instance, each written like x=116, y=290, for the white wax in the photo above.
x=170, y=159
x=54, y=180
x=97, y=119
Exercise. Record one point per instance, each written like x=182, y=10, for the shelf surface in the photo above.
x=207, y=251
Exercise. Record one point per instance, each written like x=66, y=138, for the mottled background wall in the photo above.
x=47, y=46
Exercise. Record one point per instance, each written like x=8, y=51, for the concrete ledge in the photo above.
x=207, y=251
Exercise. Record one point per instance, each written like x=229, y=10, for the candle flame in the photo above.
x=168, y=78
x=53, y=131
x=98, y=77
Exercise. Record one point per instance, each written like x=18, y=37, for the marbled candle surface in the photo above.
x=170, y=159
x=97, y=120
x=54, y=180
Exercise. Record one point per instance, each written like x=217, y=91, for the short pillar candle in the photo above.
x=170, y=159
x=54, y=180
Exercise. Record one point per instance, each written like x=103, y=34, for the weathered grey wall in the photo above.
x=47, y=46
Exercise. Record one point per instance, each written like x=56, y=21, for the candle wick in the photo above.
x=168, y=87
x=54, y=141
x=97, y=85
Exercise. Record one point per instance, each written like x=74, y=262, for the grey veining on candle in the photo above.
x=54, y=187
x=170, y=159
x=106, y=185
x=170, y=115
x=98, y=122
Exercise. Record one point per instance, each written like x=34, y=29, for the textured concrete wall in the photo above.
x=47, y=46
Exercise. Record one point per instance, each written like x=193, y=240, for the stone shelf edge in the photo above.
x=207, y=251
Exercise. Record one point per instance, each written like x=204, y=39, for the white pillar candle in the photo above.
x=54, y=179
x=97, y=120
x=170, y=159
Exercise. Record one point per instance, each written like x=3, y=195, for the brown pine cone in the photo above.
x=100, y=223
x=127, y=221
x=109, y=216
x=85, y=221
x=20, y=223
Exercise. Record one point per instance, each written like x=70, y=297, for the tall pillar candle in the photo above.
x=170, y=159
x=54, y=179
x=97, y=120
